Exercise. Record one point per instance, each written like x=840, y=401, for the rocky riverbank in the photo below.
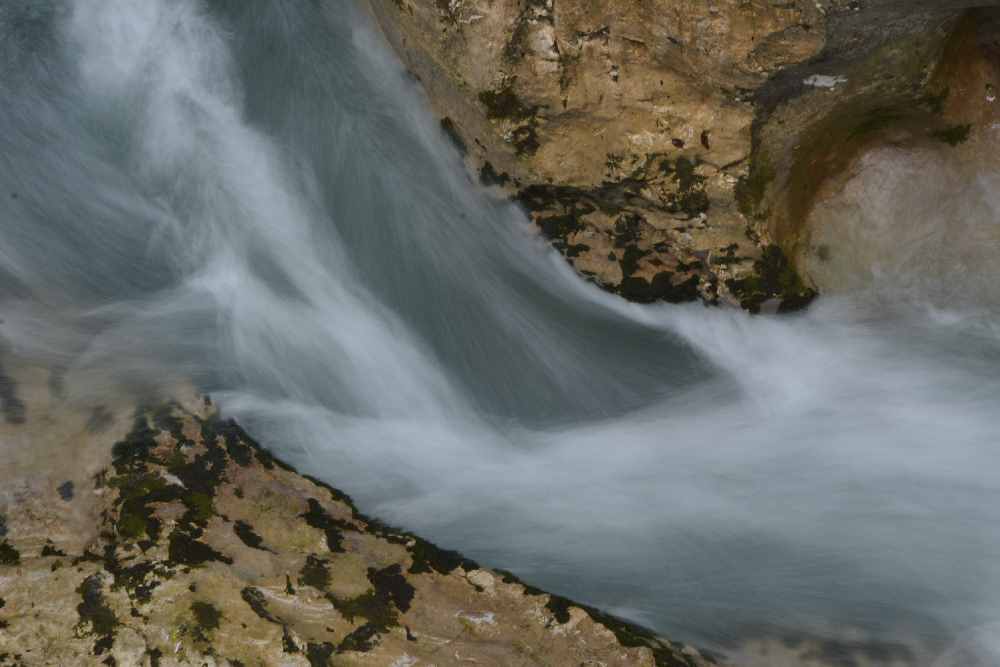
x=186, y=543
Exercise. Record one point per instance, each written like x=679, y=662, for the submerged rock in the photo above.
x=208, y=550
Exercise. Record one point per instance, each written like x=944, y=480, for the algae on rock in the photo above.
x=202, y=533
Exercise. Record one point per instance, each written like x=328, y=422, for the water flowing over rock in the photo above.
x=663, y=147
x=257, y=200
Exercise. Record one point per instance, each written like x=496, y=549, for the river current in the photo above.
x=254, y=197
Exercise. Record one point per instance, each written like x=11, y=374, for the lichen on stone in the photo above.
x=179, y=549
x=954, y=135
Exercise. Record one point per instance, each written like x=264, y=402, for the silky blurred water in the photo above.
x=254, y=196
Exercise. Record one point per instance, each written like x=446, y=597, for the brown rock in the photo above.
x=671, y=149
x=203, y=549
x=622, y=126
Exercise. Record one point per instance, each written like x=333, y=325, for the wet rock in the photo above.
x=610, y=114
x=200, y=535
x=889, y=76
x=694, y=126
x=892, y=196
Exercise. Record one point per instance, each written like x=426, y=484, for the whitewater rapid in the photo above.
x=254, y=197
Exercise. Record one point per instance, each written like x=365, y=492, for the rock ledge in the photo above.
x=210, y=551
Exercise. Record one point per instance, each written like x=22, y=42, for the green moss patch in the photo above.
x=428, y=557
x=505, y=104
x=258, y=604
x=96, y=615
x=390, y=584
x=132, y=453
x=315, y=573
x=875, y=121
x=690, y=199
x=138, y=579
x=238, y=444
x=727, y=256
x=248, y=536
x=390, y=593
x=207, y=617
x=50, y=549
x=319, y=655
x=488, y=176
x=630, y=260
x=141, y=484
x=369, y=606
x=288, y=644
x=954, y=135
x=185, y=549
x=774, y=277
x=661, y=288
x=934, y=102
x=750, y=189
x=361, y=640
x=317, y=517
x=137, y=491
x=8, y=554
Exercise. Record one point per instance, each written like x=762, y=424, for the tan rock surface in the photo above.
x=671, y=149
x=188, y=544
x=623, y=126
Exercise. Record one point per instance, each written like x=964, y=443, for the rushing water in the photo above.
x=253, y=196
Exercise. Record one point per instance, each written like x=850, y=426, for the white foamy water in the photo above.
x=254, y=196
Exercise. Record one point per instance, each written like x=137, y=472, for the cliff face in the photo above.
x=652, y=140
x=186, y=543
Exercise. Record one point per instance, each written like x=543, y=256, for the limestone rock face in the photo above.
x=623, y=126
x=669, y=148
x=193, y=546
x=907, y=206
